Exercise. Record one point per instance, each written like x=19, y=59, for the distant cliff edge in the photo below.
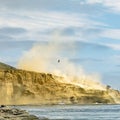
x=26, y=87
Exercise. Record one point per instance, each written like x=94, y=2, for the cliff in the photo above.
x=5, y=67
x=26, y=87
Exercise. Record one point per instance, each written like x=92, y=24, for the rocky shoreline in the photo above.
x=9, y=113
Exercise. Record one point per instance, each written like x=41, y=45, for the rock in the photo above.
x=7, y=113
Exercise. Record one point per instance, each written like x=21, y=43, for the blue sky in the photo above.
x=93, y=25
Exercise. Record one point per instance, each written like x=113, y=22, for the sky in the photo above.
x=91, y=25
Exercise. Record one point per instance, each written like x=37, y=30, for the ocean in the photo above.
x=75, y=112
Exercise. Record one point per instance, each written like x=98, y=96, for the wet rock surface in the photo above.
x=8, y=113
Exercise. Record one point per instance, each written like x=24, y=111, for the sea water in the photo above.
x=76, y=112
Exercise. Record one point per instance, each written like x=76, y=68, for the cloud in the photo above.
x=5, y=37
x=91, y=45
x=82, y=33
x=12, y=30
x=114, y=46
x=113, y=5
x=111, y=33
x=78, y=25
x=38, y=25
x=36, y=5
x=46, y=5
x=11, y=33
x=12, y=45
x=43, y=18
x=94, y=1
x=81, y=60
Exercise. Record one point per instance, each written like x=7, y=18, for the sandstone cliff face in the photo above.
x=25, y=87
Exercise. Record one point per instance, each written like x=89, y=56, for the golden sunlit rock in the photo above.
x=27, y=87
